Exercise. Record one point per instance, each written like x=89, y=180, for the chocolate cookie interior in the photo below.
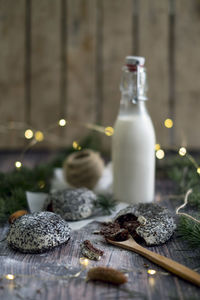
x=121, y=228
x=130, y=223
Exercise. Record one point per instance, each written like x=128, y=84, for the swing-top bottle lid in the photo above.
x=135, y=60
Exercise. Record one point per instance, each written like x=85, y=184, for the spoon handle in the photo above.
x=170, y=265
x=167, y=263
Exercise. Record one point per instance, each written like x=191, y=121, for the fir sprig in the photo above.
x=106, y=203
x=189, y=231
x=182, y=171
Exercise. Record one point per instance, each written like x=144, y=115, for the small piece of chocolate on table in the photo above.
x=89, y=251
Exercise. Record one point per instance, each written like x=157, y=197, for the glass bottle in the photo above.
x=133, y=144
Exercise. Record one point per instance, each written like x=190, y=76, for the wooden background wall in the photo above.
x=63, y=59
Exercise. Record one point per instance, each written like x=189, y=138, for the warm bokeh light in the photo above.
x=168, y=123
x=9, y=276
x=28, y=134
x=160, y=154
x=109, y=131
x=198, y=170
x=157, y=147
x=84, y=261
x=39, y=136
x=76, y=146
x=62, y=122
x=182, y=151
x=18, y=164
x=151, y=271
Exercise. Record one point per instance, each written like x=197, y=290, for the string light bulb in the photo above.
x=84, y=262
x=62, y=122
x=168, y=123
x=9, y=276
x=39, y=136
x=151, y=272
x=18, y=164
x=157, y=147
x=160, y=154
x=109, y=131
x=182, y=151
x=28, y=134
x=76, y=146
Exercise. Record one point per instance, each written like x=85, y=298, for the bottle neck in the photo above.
x=134, y=83
x=129, y=107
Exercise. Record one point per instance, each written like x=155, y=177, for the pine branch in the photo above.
x=189, y=231
x=106, y=203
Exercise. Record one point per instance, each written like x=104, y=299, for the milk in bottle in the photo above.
x=133, y=143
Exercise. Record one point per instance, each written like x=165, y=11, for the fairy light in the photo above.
x=39, y=136
x=109, y=131
x=84, y=262
x=76, y=146
x=28, y=134
x=168, y=123
x=9, y=276
x=160, y=154
x=157, y=147
x=182, y=151
x=18, y=164
x=151, y=272
x=62, y=122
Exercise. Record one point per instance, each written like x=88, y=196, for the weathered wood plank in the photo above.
x=154, y=47
x=187, y=119
x=12, y=14
x=46, y=64
x=117, y=42
x=99, y=61
x=172, y=65
x=81, y=66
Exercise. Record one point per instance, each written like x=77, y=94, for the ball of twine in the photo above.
x=83, y=168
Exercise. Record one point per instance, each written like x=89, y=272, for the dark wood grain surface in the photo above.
x=55, y=274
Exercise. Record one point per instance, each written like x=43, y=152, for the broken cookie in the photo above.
x=89, y=251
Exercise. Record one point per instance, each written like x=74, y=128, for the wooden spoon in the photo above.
x=167, y=263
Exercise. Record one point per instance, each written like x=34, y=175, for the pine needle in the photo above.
x=189, y=231
x=106, y=203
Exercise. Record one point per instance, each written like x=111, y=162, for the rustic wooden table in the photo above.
x=56, y=274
